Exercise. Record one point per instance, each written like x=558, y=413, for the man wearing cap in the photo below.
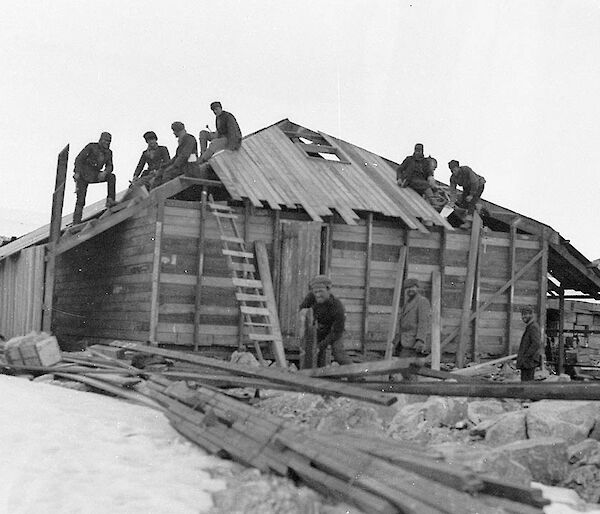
x=416, y=172
x=330, y=317
x=228, y=135
x=529, y=355
x=186, y=155
x=154, y=157
x=415, y=322
x=472, y=189
x=94, y=164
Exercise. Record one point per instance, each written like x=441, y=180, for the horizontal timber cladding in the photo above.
x=103, y=286
x=219, y=311
x=427, y=253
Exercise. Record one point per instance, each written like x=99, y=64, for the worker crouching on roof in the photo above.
x=416, y=172
x=186, y=155
x=472, y=189
x=529, y=355
x=154, y=157
x=94, y=164
x=330, y=317
x=415, y=323
x=228, y=135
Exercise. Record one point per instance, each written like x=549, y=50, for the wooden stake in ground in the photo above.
x=396, y=303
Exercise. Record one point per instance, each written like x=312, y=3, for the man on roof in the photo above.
x=330, y=317
x=228, y=135
x=186, y=156
x=154, y=157
x=416, y=172
x=472, y=189
x=94, y=164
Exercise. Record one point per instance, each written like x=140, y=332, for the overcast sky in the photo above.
x=510, y=88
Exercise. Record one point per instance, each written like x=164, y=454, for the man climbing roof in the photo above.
x=472, y=189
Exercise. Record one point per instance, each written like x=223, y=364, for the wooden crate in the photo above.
x=33, y=349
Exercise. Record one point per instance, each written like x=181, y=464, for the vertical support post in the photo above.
x=543, y=292
x=276, y=254
x=561, y=331
x=511, y=290
x=468, y=291
x=443, y=258
x=436, y=318
x=154, y=297
x=389, y=349
x=476, y=296
x=328, y=246
x=200, y=269
x=55, y=225
x=366, y=298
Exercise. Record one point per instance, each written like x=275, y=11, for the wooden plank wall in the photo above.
x=348, y=265
x=178, y=275
x=21, y=292
x=103, y=286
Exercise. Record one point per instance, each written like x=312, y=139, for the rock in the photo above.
x=507, y=429
x=545, y=458
x=482, y=428
x=357, y=419
x=586, y=481
x=409, y=418
x=584, y=451
x=569, y=420
x=244, y=359
x=481, y=410
x=501, y=465
x=48, y=378
x=558, y=378
x=445, y=411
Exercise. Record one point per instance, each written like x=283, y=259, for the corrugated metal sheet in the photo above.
x=21, y=292
x=270, y=168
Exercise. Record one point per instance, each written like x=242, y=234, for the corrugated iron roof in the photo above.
x=271, y=168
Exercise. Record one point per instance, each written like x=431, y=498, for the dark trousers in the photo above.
x=527, y=374
x=339, y=354
x=81, y=187
x=476, y=194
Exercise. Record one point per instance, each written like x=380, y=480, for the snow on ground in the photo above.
x=65, y=451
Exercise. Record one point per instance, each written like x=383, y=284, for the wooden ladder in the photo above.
x=261, y=321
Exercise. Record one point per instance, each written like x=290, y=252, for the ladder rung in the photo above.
x=235, y=253
x=225, y=215
x=255, y=324
x=244, y=282
x=245, y=297
x=232, y=239
x=219, y=206
x=255, y=311
x=262, y=337
x=242, y=266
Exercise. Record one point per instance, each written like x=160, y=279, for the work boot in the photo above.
x=110, y=203
x=77, y=214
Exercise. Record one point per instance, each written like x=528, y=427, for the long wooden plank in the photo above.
x=468, y=290
x=396, y=303
x=154, y=307
x=436, y=319
x=314, y=385
x=262, y=259
x=200, y=269
x=364, y=369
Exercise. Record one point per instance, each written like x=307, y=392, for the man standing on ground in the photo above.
x=186, y=155
x=416, y=172
x=154, y=156
x=330, y=316
x=227, y=137
x=529, y=355
x=472, y=189
x=94, y=164
x=415, y=322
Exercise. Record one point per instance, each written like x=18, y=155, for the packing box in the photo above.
x=34, y=349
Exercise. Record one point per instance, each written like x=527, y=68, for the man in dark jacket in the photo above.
x=186, y=156
x=330, y=317
x=529, y=355
x=94, y=164
x=154, y=157
x=416, y=172
x=228, y=135
x=415, y=322
x=472, y=189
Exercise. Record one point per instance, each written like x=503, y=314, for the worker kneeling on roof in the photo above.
x=186, y=156
x=472, y=189
x=416, y=172
x=330, y=317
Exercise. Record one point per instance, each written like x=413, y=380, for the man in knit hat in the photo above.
x=415, y=322
x=186, y=155
x=92, y=165
x=330, y=317
x=529, y=355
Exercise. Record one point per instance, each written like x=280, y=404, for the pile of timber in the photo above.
x=376, y=475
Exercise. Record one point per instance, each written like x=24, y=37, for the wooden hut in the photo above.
x=155, y=271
